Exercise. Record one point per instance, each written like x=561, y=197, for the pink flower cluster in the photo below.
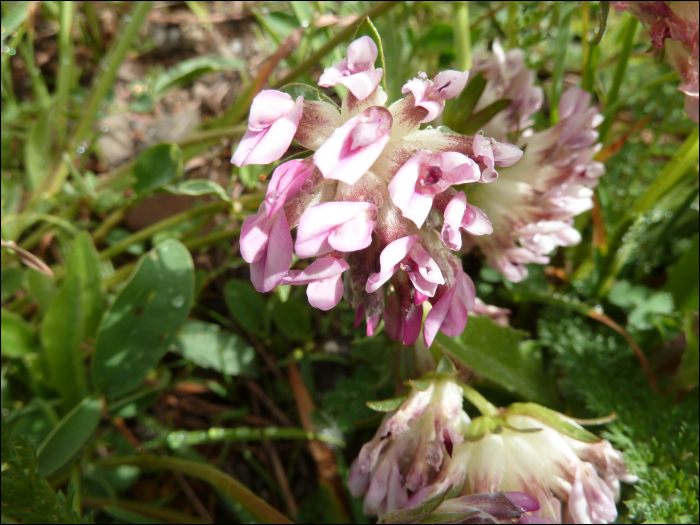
x=532, y=206
x=507, y=77
x=429, y=445
x=374, y=204
x=674, y=25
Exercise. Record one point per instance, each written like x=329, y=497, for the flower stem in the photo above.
x=480, y=402
x=462, y=36
x=630, y=32
x=218, y=479
x=170, y=222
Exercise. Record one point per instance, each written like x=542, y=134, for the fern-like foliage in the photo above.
x=26, y=496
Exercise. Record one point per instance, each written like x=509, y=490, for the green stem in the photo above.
x=114, y=59
x=659, y=81
x=585, y=43
x=462, y=35
x=212, y=238
x=219, y=480
x=562, y=43
x=482, y=404
x=170, y=222
x=180, y=438
x=512, y=27
x=66, y=57
x=159, y=513
x=630, y=32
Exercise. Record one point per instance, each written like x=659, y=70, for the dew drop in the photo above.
x=307, y=186
x=304, y=23
x=104, y=128
x=272, y=197
x=178, y=301
x=80, y=150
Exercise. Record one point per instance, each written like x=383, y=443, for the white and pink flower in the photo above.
x=375, y=202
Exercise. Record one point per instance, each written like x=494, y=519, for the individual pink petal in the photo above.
x=268, y=271
x=524, y=501
x=318, y=270
x=447, y=84
x=412, y=325
x=342, y=226
x=362, y=84
x=505, y=155
x=454, y=212
x=287, y=180
x=358, y=480
x=372, y=324
x=450, y=312
x=389, y=261
x=691, y=99
x=362, y=54
x=354, y=146
x=274, y=119
x=402, y=188
x=427, y=267
x=255, y=234
x=457, y=168
x=476, y=222
x=393, y=321
x=326, y=293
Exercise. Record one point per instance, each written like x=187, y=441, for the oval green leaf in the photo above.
x=206, y=345
x=387, y=405
x=551, y=418
x=17, y=335
x=68, y=436
x=156, y=166
x=144, y=319
x=246, y=306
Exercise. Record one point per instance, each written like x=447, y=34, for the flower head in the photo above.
x=425, y=429
x=533, y=207
x=375, y=203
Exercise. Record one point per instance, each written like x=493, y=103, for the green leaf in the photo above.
x=144, y=319
x=61, y=334
x=84, y=263
x=17, y=335
x=37, y=150
x=202, y=187
x=683, y=279
x=246, y=305
x=495, y=352
x=551, y=418
x=27, y=497
x=457, y=111
x=249, y=174
x=292, y=319
x=687, y=374
x=185, y=72
x=480, y=119
x=15, y=18
x=11, y=282
x=446, y=366
x=158, y=165
x=69, y=436
x=206, y=345
x=416, y=513
x=42, y=289
x=387, y=405
x=309, y=93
